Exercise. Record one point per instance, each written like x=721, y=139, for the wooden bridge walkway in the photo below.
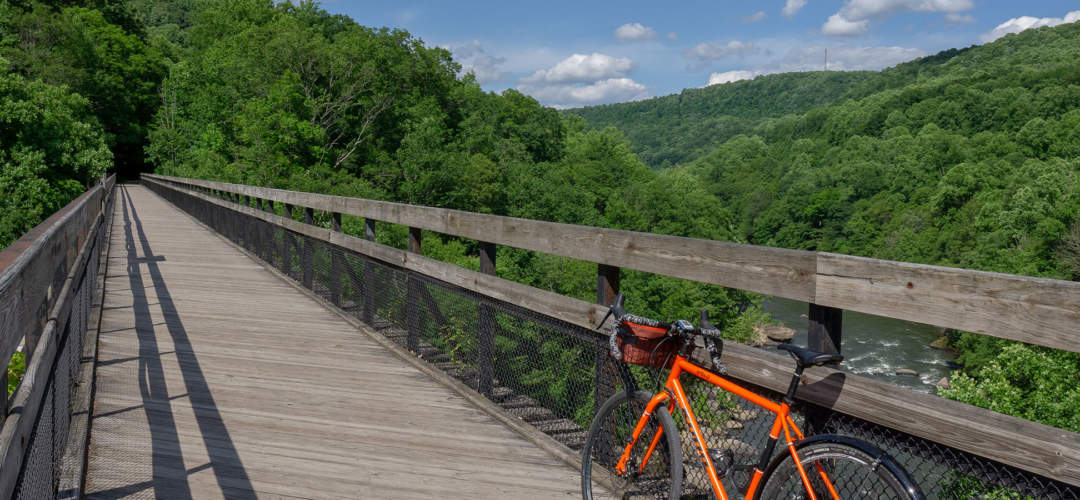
x=215, y=378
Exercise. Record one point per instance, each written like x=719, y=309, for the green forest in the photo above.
x=965, y=158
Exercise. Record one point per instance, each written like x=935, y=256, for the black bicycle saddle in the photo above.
x=806, y=357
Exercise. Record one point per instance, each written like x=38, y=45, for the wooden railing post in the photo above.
x=823, y=335
x=607, y=287
x=413, y=285
x=309, y=250
x=286, y=244
x=270, y=242
x=369, y=276
x=257, y=233
x=485, y=342
x=825, y=327
x=335, y=266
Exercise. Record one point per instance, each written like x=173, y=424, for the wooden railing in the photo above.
x=1033, y=310
x=41, y=276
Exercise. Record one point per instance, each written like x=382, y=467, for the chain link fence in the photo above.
x=41, y=468
x=554, y=375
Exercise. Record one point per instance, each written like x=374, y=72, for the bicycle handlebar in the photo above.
x=678, y=328
x=706, y=329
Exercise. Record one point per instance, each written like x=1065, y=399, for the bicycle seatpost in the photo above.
x=796, y=377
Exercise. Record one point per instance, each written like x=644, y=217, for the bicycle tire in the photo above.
x=610, y=433
x=856, y=469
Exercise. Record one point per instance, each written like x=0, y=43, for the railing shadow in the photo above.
x=169, y=478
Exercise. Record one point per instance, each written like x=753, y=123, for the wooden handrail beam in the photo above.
x=1033, y=310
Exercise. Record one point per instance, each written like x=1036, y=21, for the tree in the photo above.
x=51, y=149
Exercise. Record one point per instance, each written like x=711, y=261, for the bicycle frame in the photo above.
x=674, y=390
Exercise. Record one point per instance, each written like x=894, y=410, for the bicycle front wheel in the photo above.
x=838, y=467
x=611, y=431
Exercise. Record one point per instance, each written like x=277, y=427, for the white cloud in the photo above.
x=672, y=36
x=793, y=6
x=599, y=92
x=582, y=79
x=1018, y=24
x=473, y=59
x=838, y=25
x=856, y=10
x=959, y=18
x=854, y=18
x=731, y=76
x=755, y=17
x=632, y=32
x=706, y=53
x=581, y=68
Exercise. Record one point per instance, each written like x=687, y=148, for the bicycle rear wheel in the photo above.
x=609, y=434
x=852, y=468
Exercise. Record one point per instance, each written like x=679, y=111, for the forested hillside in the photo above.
x=966, y=158
x=969, y=158
x=673, y=129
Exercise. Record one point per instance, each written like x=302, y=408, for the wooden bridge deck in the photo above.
x=215, y=378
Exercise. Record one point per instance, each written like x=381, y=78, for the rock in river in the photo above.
x=778, y=333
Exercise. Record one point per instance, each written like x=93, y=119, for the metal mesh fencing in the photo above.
x=41, y=468
x=554, y=375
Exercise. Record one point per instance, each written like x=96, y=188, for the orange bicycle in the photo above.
x=634, y=443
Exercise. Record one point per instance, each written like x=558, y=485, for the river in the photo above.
x=876, y=347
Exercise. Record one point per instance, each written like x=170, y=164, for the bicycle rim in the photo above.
x=852, y=473
x=611, y=431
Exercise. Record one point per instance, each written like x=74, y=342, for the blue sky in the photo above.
x=573, y=53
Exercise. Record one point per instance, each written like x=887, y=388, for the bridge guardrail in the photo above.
x=470, y=323
x=47, y=286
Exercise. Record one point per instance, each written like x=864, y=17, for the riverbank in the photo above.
x=877, y=347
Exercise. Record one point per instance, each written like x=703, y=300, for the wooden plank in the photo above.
x=1034, y=310
x=930, y=417
x=317, y=410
